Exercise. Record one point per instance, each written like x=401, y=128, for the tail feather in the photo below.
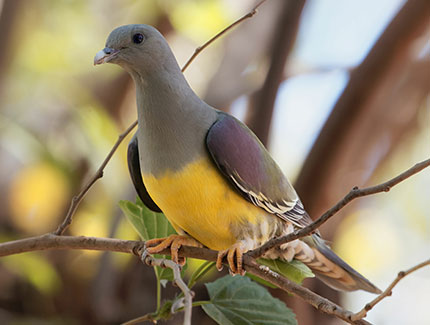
x=330, y=268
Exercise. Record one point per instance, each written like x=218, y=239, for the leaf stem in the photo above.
x=158, y=291
x=139, y=320
x=197, y=303
x=201, y=303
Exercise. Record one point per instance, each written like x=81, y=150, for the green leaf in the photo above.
x=240, y=301
x=149, y=225
x=295, y=270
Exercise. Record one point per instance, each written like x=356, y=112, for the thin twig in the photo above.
x=320, y=303
x=225, y=30
x=387, y=292
x=76, y=200
x=188, y=294
x=353, y=194
x=141, y=319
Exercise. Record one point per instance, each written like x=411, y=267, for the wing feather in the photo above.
x=133, y=162
x=244, y=161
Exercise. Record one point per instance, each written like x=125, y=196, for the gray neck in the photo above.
x=173, y=121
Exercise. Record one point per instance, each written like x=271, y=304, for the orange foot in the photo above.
x=175, y=242
x=234, y=259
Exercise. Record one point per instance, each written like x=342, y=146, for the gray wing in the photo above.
x=247, y=165
x=133, y=162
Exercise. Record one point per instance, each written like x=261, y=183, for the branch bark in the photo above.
x=52, y=241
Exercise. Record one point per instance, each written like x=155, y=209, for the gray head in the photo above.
x=139, y=49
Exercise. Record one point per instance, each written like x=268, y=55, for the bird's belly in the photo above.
x=198, y=200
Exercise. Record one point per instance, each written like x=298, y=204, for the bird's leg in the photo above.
x=157, y=245
x=234, y=258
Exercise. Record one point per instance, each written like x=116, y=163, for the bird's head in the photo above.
x=137, y=48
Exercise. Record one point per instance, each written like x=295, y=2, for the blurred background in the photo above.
x=338, y=90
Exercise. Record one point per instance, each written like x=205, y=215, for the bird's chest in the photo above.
x=169, y=139
x=198, y=200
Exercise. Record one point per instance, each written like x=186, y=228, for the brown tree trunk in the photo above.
x=262, y=102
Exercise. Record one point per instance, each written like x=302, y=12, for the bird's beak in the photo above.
x=105, y=55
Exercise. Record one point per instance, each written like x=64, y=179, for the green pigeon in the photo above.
x=208, y=172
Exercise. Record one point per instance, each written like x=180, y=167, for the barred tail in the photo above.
x=330, y=268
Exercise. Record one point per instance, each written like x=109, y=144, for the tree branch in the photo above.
x=320, y=303
x=52, y=241
x=187, y=301
x=262, y=102
x=362, y=313
x=353, y=194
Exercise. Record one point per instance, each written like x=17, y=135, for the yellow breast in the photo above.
x=199, y=200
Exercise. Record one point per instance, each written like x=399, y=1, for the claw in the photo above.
x=234, y=258
x=175, y=242
x=221, y=255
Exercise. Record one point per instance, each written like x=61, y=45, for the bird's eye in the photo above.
x=137, y=38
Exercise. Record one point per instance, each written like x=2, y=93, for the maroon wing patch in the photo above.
x=247, y=165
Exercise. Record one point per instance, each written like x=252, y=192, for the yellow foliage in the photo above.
x=93, y=219
x=90, y=223
x=199, y=19
x=37, y=196
x=125, y=231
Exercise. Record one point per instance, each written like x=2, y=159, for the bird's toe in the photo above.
x=175, y=242
x=234, y=258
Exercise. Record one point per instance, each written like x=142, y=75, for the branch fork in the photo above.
x=187, y=301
